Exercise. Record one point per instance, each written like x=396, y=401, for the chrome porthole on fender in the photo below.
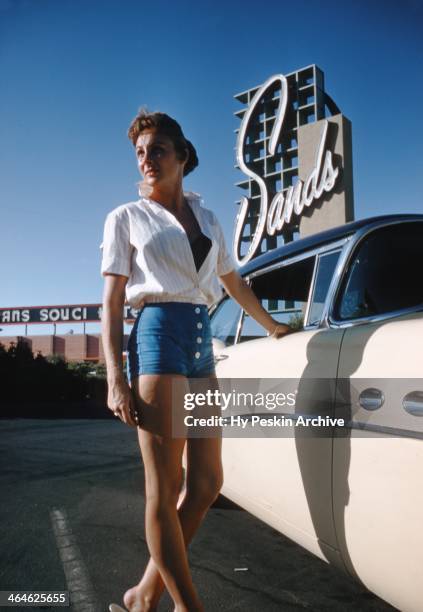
x=413, y=403
x=371, y=399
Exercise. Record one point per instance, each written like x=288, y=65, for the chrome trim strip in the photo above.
x=239, y=327
x=384, y=429
x=349, y=425
x=310, y=293
x=304, y=255
x=359, y=425
x=241, y=317
x=376, y=318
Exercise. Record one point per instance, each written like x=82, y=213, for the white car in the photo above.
x=353, y=497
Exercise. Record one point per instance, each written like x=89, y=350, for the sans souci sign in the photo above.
x=284, y=205
x=75, y=313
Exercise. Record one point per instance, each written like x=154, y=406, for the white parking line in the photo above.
x=81, y=592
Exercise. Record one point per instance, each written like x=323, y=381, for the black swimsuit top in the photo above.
x=200, y=248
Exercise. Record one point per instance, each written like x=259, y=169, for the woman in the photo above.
x=166, y=251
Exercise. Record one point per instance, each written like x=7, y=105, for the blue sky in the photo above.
x=74, y=73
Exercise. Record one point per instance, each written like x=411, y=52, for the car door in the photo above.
x=286, y=479
x=378, y=463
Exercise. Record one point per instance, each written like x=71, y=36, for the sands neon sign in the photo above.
x=284, y=204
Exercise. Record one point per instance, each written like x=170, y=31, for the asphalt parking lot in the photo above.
x=72, y=517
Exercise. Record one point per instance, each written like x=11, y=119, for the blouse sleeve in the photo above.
x=225, y=261
x=116, y=244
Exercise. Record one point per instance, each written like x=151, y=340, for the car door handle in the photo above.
x=371, y=399
x=220, y=357
x=413, y=403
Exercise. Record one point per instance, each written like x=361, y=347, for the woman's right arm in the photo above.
x=119, y=398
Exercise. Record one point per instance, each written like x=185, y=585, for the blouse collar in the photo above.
x=193, y=198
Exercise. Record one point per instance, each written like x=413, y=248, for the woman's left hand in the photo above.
x=280, y=330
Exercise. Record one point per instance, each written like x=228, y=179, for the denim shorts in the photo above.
x=171, y=338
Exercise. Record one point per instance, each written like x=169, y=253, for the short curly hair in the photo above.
x=170, y=128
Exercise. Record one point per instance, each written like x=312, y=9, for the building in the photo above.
x=72, y=347
x=294, y=148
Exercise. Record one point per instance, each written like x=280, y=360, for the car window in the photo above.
x=326, y=265
x=382, y=276
x=283, y=292
x=224, y=321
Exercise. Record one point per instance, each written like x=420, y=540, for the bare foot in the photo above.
x=136, y=602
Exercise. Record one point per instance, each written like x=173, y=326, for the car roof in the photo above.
x=291, y=249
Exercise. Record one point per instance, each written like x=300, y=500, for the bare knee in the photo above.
x=163, y=494
x=203, y=489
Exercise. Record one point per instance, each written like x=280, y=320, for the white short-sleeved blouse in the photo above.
x=146, y=243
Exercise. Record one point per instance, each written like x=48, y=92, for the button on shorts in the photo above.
x=171, y=338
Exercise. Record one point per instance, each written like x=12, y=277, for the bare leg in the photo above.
x=204, y=480
x=162, y=457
